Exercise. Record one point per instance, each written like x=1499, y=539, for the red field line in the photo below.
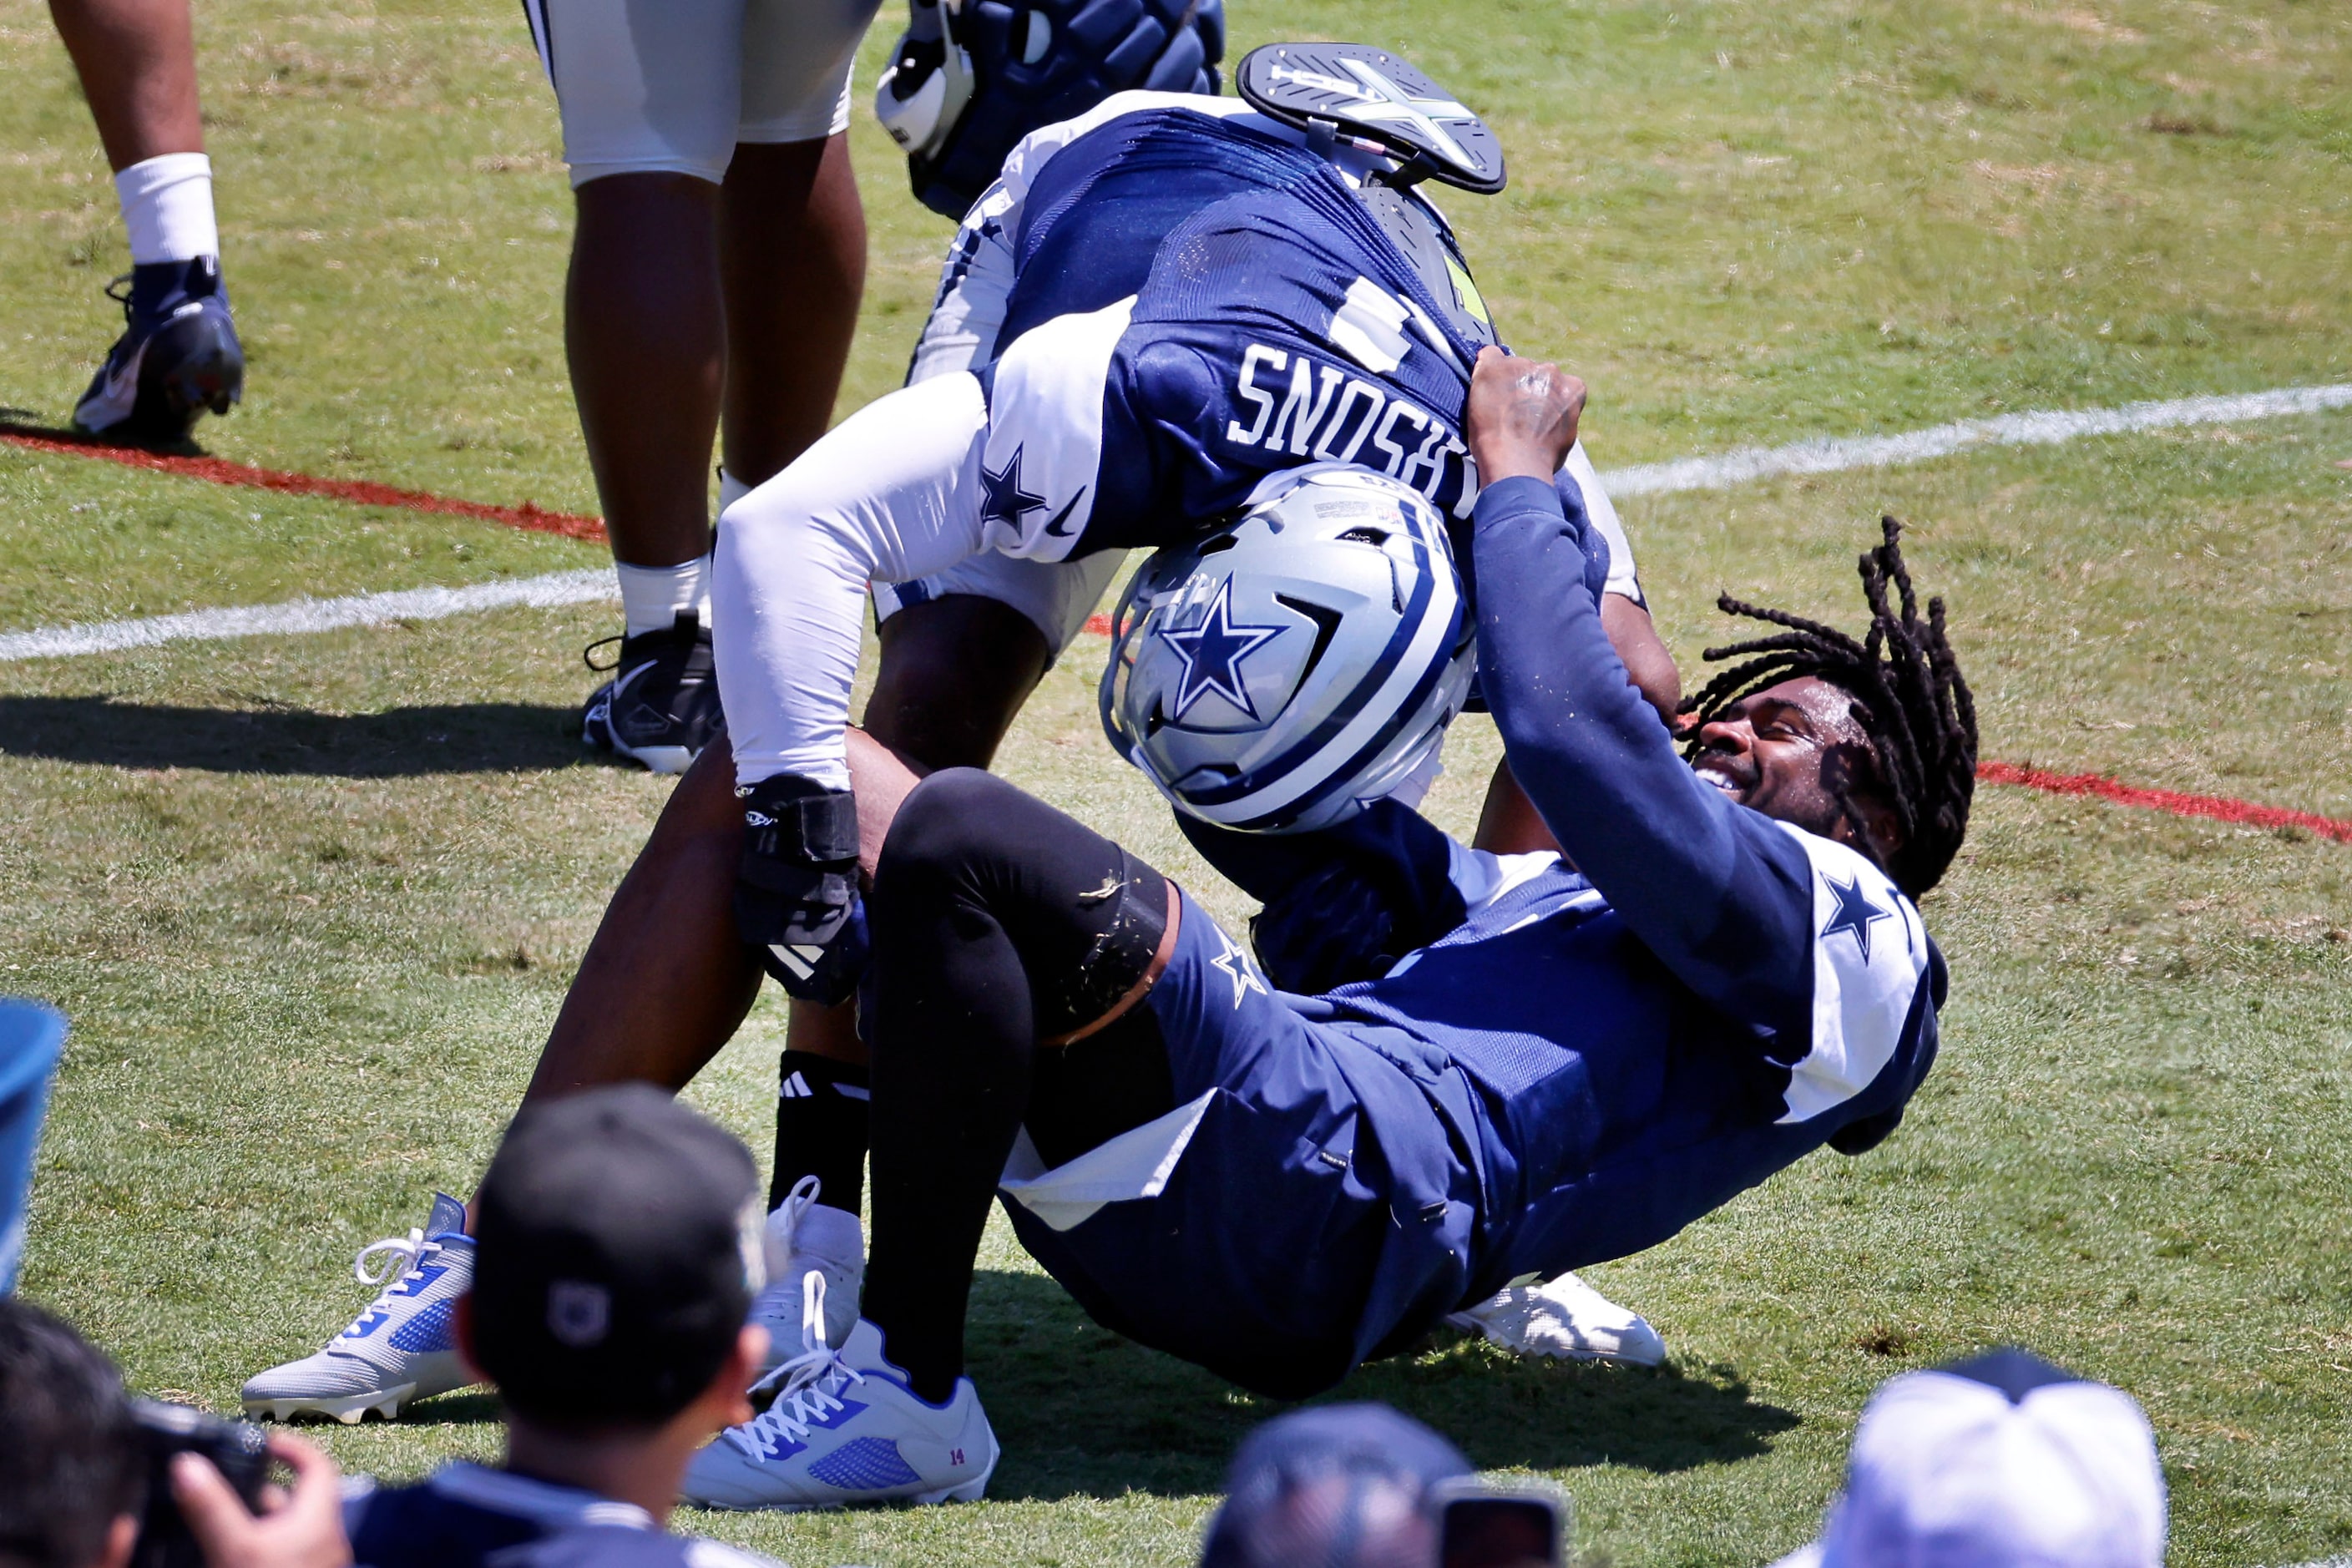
x=360, y=492
x=2221, y=808
x=364, y=492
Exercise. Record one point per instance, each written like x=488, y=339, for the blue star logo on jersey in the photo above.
x=1856, y=913
x=1234, y=963
x=1212, y=654
x=1001, y=498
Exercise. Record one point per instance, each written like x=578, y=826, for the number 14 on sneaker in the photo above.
x=846, y=1428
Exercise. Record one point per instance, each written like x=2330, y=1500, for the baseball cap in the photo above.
x=2004, y=1461
x=1341, y=1486
x=617, y=1253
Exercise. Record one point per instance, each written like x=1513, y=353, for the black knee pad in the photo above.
x=949, y=818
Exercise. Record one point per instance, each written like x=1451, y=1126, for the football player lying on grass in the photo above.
x=1159, y=305
x=1721, y=970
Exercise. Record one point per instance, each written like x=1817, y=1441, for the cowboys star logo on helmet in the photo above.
x=1212, y=653
x=1322, y=722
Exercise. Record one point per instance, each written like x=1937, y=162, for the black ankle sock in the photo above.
x=820, y=1114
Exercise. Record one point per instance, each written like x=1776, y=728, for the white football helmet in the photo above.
x=1283, y=674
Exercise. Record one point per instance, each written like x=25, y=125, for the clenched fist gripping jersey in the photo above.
x=1167, y=300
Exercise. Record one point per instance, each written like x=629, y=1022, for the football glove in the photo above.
x=797, y=888
x=970, y=78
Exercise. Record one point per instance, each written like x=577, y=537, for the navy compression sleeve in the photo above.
x=1722, y=896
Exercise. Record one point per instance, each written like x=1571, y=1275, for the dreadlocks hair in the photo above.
x=1908, y=698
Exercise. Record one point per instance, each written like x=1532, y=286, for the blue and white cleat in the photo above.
x=1563, y=1318
x=178, y=356
x=846, y=1429
x=403, y=1348
x=804, y=1237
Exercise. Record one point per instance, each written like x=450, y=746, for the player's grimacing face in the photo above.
x=1789, y=751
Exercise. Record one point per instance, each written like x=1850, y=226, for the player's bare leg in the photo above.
x=137, y=62
x=644, y=330
x=792, y=257
x=692, y=308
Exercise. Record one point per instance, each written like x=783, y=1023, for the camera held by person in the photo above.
x=90, y=1478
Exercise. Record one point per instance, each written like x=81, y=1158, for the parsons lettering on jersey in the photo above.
x=1330, y=414
x=1160, y=304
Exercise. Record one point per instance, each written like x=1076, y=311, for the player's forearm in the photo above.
x=1593, y=757
x=1648, y=664
x=885, y=496
x=883, y=780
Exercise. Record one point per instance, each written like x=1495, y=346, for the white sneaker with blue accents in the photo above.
x=402, y=1348
x=846, y=1429
x=805, y=1236
x=1564, y=1317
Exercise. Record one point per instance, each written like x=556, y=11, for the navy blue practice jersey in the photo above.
x=1622, y=1039
x=1162, y=305
x=466, y=1516
x=1197, y=301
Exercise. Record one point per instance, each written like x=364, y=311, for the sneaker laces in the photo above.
x=588, y=654
x=407, y=1256
x=806, y=1384
x=794, y=1208
x=119, y=291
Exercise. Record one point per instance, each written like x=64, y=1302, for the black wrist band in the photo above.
x=808, y=825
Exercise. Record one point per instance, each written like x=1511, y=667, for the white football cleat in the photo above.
x=804, y=1237
x=402, y=1348
x=846, y=1429
x=1564, y=1317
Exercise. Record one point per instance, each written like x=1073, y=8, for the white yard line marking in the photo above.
x=297, y=616
x=1721, y=472
x=2044, y=430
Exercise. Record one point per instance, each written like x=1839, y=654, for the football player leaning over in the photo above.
x=1160, y=308
x=1721, y=969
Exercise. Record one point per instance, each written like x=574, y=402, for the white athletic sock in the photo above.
x=730, y=490
x=652, y=596
x=167, y=205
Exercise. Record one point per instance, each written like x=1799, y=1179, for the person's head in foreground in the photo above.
x=617, y=1259
x=1343, y=1486
x=71, y=1482
x=1873, y=744
x=2004, y=1461
x=75, y=1478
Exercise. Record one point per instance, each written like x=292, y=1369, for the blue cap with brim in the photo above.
x=1341, y=1486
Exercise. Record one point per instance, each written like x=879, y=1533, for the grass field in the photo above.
x=312, y=902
